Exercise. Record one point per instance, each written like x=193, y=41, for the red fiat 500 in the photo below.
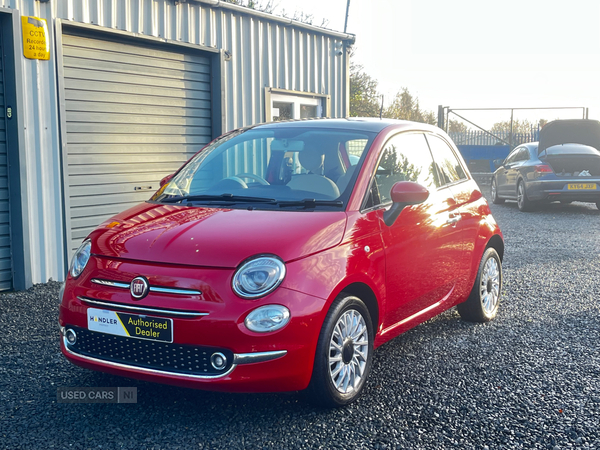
x=280, y=256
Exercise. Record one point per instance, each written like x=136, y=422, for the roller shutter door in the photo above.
x=5, y=252
x=133, y=115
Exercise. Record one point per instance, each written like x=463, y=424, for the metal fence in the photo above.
x=477, y=137
x=480, y=148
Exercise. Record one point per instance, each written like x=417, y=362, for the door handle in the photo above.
x=453, y=218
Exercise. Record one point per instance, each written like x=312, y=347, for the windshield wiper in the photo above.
x=307, y=203
x=223, y=198
x=310, y=203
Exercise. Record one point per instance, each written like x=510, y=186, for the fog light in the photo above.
x=218, y=361
x=267, y=318
x=71, y=336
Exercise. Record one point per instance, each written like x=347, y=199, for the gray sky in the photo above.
x=475, y=53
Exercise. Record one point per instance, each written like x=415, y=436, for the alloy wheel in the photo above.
x=489, y=287
x=520, y=195
x=348, y=351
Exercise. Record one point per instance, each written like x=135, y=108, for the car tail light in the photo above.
x=542, y=168
x=539, y=170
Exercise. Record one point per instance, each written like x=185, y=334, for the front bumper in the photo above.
x=162, y=361
x=256, y=362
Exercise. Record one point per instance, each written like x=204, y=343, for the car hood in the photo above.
x=212, y=237
x=574, y=131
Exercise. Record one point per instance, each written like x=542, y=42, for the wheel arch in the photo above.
x=366, y=294
x=520, y=178
x=497, y=244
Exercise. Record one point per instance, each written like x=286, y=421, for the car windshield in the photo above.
x=272, y=167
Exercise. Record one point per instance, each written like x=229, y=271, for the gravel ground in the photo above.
x=529, y=379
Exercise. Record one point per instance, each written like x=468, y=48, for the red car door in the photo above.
x=421, y=255
x=467, y=195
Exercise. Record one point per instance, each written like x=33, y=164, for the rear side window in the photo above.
x=517, y=155
x=523, y=155
x=405, y=157
x=449, y=168
x=512, y=157
x=355, y=149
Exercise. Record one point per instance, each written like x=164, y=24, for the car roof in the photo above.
x=531, y=145
x=355, y=123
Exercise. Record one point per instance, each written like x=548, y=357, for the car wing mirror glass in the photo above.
x=498, y=163
x=404, y=193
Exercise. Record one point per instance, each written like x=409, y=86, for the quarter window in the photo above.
x=449, y=167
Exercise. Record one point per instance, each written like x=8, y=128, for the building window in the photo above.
x=286, y=105
x=282, y=111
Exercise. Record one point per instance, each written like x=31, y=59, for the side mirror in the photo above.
x=166, y=179
x=498, y=163
x=404, y=193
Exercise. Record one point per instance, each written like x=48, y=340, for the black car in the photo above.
x=563, y=166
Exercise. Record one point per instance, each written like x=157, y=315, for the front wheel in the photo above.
x=495, y=199
x=344, y=354
x=523, y=201
x=482, y=304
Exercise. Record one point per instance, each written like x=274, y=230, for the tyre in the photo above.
x=523, y=202
x=495, y=199
x=482, y=304
x=344, y=354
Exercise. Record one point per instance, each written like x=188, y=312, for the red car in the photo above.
x=280, y=256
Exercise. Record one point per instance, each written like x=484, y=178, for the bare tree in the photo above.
x=519, y=126
x=268, y=6
x=406, y=107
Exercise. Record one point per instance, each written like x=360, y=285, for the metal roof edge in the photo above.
x=273, y=18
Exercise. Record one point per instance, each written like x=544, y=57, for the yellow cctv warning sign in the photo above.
x=36, y=43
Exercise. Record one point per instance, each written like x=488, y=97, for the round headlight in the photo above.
x=80, y=259
x=259, y=276
x=267, y=318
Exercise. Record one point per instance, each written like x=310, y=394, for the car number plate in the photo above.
x=130, y=325
x=581, y=186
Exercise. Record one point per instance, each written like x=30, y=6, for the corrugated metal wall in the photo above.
x=266, y=51
x=39, y=147
x=126, y=104
x=5, y=253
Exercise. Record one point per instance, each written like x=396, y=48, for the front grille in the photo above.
x=174, y=358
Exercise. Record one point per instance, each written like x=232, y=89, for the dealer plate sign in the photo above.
x=130, y=325
x=36, y=44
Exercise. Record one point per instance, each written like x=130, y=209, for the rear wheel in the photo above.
x=523, y=202
x=482, y=304
x=495, y=199
x=344, y=354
